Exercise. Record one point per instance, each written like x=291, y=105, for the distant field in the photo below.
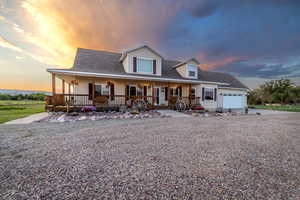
x=280, y=108
x=24, y=102
x=10, y=110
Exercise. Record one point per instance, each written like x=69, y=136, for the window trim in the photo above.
x=137, y=65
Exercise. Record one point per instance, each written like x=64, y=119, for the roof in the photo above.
x=135, y=49
x=185, y=62
x=103, y=62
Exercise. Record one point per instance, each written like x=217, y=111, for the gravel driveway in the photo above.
x=236, y=157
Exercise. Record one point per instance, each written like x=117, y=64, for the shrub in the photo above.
x=88, y=109
x=199, y=108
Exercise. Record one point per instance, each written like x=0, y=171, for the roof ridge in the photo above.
x=98, y=50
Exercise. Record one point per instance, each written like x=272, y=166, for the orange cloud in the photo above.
x=62, y=26
x=219, y=63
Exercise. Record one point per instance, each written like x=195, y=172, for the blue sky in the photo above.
x=255, y=40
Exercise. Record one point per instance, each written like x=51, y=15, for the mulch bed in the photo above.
x=95, y=116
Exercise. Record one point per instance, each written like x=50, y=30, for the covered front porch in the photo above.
x=111, y=94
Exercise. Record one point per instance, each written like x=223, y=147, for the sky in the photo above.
x=254, y=40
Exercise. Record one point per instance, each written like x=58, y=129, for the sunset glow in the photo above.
x=223, y=36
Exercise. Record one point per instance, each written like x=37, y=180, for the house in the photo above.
x=117, y=79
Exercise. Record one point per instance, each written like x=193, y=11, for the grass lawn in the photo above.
x=281, y=108
x=23, y=102
x=11, y=112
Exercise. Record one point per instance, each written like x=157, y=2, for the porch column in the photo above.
x=63, y=86
x=152, y=94
x=93, y=96
x=69, y=88
x=53, y=85
x=190, y=94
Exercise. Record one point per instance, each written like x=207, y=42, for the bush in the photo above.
x=32, y=97
x=88, y=109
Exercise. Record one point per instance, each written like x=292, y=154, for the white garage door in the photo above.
x=233, y=102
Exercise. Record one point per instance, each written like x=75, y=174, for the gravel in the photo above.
x=233, y=157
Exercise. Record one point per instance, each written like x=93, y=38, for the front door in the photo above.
x=157, y=96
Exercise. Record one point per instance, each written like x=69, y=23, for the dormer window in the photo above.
x=192, y=71
x=144, y=65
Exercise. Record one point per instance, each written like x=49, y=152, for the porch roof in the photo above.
x=130, y=76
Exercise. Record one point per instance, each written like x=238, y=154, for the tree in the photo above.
x=278, y=91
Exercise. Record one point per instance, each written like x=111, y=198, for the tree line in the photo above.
x=32, y=97
x=275, y=92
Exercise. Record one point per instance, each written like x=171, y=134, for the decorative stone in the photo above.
x=73, y=114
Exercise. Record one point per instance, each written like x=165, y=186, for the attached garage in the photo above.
x=232, y=98
x=233, y=102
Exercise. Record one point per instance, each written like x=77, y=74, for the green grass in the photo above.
x=11, y=112
x=23, y=102
x=280, y=108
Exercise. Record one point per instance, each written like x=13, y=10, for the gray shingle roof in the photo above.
x=96, y=61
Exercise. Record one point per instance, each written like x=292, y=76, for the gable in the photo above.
x=142, y=53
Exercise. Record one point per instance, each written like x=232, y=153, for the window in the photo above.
x=101, y=90
x=192, y=71
x=193, y=92
x=209, y=94
x=144, y=65
x=139, y=91
x=98, y=89
x=132, y=90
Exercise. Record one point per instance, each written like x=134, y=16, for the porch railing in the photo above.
x=113, y=100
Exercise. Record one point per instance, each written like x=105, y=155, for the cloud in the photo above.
x=111, y=25
x=19, y=57
x=222, y=34
x=6, y=44
x=269, y=71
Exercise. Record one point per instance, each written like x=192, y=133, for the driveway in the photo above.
x=236, y=157
x=267, y=112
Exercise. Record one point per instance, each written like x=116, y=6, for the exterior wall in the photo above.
x=120, y=85
x=210, y=105
x=126, y=65
x=231, y=91
x=182, y=70
x=142, y=53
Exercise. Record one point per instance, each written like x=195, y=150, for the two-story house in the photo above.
x=100, y=77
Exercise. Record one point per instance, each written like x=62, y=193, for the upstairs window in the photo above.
x=192, y=71
x=145, y=65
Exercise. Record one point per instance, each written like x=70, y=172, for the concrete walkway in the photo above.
x=172, y=113
x=267, y=112
x=29, y=119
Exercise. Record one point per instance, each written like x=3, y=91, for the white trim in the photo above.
x=118, y=76
x=232, y=88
